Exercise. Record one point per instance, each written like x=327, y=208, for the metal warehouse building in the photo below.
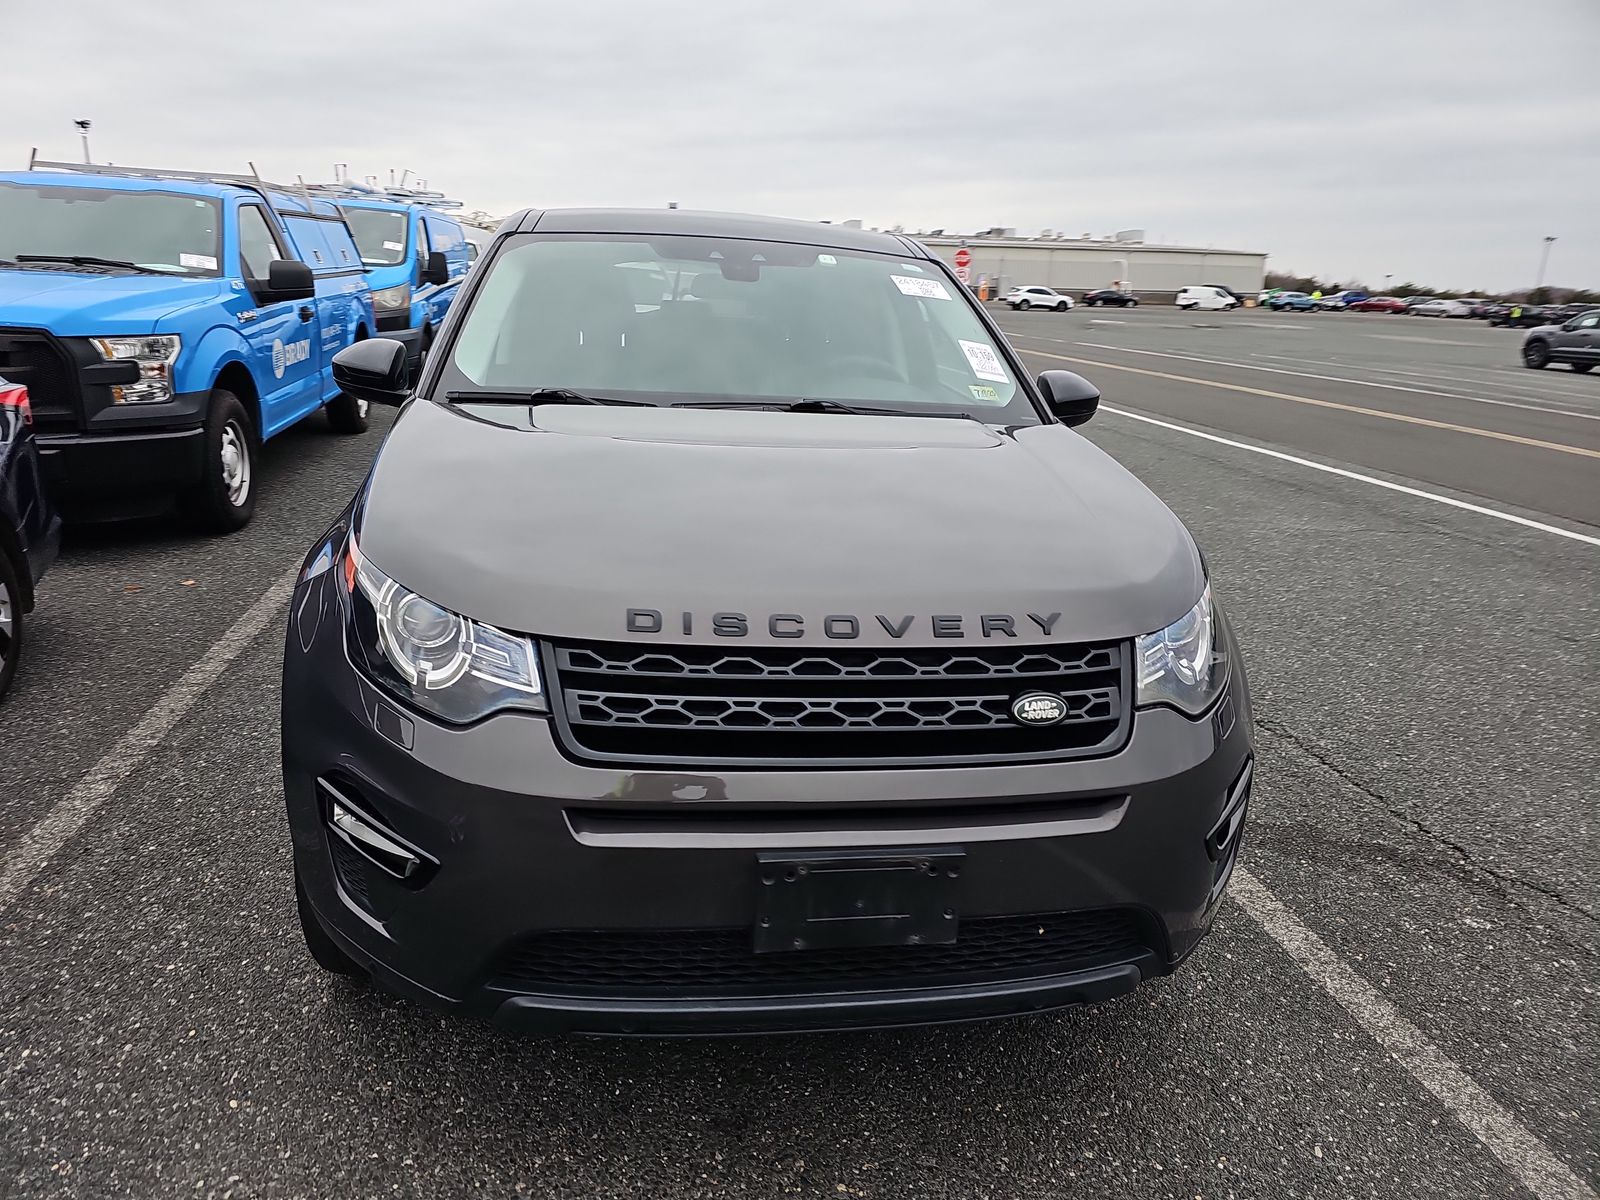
x=1079, y=264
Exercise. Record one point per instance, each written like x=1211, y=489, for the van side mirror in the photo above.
x=437, y=269
x=1071, y=397
x=376, y=370
x=288, y=279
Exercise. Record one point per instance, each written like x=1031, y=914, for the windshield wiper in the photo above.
x=802, y=405
x=89, y=260
x=549, y=395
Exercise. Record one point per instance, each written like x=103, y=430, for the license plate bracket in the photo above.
x=857, y=898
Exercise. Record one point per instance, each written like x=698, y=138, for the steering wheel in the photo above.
x=865, y=364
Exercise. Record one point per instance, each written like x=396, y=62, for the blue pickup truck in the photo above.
x=416, y=255
x=166, y=323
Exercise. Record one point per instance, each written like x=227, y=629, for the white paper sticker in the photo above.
x=922, y=289
x=394, y=245
x=985, y=363
x=200, y=262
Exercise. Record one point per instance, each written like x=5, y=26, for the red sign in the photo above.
x=963, y=257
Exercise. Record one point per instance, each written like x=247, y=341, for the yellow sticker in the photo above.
x=983, y=393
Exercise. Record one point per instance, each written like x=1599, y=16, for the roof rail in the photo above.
x=252, y=181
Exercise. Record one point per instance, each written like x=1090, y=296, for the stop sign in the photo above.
x=963, y=257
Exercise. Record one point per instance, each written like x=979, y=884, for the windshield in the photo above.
x=683, y=319
x=156, y=231
x=380, y=236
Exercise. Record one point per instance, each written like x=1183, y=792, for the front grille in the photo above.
x=721, y=962
x=38, y=362
x=709, y=705
x=351, y=868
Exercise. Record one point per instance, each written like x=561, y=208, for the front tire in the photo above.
x=325, y=952
x=1025, y=305
x=10, y=622
x=1063, y=307
x=1536, y=356
x=225, y=498
x=1133, y=304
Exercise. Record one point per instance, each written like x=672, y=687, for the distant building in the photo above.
x=1084, y=264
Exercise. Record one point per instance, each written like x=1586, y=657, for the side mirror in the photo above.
x=288, y=279
x=437, y=269
x=1071, y=397
x=375, y=370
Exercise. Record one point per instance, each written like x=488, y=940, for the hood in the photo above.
x=70, y=304
x=560, y=527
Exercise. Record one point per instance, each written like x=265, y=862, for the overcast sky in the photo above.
x=1436, y=142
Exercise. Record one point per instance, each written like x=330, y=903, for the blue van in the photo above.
x=166, y=323
x=416, y=256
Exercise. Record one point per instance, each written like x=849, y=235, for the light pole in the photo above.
x=1544, y=261
x=1388, y=275
x=83, y=132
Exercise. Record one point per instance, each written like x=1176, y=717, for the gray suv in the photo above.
x=730, y=636
x=1576, y=342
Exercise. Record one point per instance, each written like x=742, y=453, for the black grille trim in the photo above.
x=40, y=363
x=713, y=963
x=819, y=708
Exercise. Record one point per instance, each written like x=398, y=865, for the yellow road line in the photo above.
x=1559, y=447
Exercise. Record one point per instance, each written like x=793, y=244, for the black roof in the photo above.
x=689, y=223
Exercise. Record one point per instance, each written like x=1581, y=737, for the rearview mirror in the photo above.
x=288, y=279
x=437, y=269
x=1071, y=397
x=375, y=370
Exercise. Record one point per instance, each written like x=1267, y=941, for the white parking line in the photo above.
x=1522, y=1153
x=41, y=843
x=1359, y=477
x=1548, y=387
x=1392, y=387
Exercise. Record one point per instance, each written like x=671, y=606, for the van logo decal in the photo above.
x=1038, y=708
x=285, y=356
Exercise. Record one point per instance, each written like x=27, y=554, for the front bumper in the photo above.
x=520, y=845
x=98, y=465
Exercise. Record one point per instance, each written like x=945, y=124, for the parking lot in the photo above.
x=1399, y=1000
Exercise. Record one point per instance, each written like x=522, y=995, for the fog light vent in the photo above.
x=366, y=836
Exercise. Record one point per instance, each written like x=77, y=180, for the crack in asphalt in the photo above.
x=1502, y=882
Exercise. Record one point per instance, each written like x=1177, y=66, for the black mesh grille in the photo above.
x=719, y=962
x=351, y=868
x=705, y=705
x=34, y=360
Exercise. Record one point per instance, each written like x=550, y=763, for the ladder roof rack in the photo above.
x=252, y=181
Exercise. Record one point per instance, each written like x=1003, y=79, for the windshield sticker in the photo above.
x=394, y=245
x=199, y=262
x=922, y=289
x=985, y=363
x=982, y=391
x=827, y=260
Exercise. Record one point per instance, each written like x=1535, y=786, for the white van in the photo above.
x=1204, y=296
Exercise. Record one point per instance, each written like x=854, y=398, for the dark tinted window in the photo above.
x=258, y=245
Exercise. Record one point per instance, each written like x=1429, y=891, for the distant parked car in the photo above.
x=1441, y=308
x=1111, y=296
x=1222, y=287
x=30, y=531
x=1413, y=301
x=1520, y=316
x=1557, y=313
x=1380, y=304
x=1207, y=297
x=1034, y=296
x=1339, y=301
x=1293, y=301
x=1480, y=306
x=1575, y=342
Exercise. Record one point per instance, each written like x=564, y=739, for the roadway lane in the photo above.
x=1427, y=697
x=1329, y=384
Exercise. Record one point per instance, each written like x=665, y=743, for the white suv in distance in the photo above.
x=1204, y=296
x=1034, y=296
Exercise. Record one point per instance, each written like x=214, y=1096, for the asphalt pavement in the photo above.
x=1398, y=1002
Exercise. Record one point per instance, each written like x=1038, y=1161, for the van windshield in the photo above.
x=669, y=319
x=153, y=231
x=380, y=236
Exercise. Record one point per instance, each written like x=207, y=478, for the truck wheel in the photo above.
x=347, y=414
x=324, y=950
x=10, y=622
x=225, y=498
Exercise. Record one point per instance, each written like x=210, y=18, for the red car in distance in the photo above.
x=1384, y=304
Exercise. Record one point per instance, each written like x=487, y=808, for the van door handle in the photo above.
x=305, y=312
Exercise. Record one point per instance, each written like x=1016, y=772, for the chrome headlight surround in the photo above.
x=154, y=356
x=1185, y=665
x=449, y=666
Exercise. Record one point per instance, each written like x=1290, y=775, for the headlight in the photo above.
x=1185, y=664
x=392, y=299
x=155, y=356
x=451, y=666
